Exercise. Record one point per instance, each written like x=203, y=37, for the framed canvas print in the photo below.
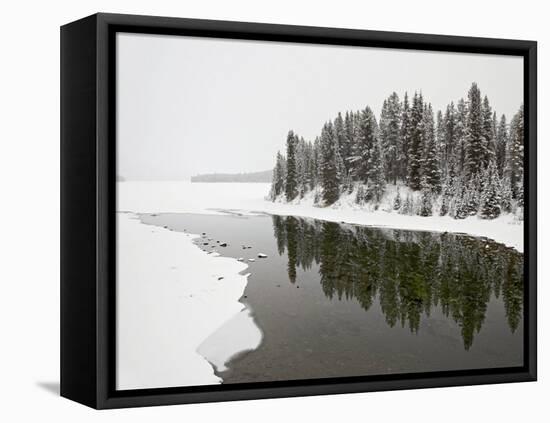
x=255, y=211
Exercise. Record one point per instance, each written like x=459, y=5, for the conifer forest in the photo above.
x=463, y=161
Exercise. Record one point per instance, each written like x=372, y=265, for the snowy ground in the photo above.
x=170, y=304
x=249, y=198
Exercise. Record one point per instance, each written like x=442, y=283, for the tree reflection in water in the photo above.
x=409, y=272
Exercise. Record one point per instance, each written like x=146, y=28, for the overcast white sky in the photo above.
x=197, y=105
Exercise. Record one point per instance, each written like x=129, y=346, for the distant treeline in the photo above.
x=464, y=160
x=264, y=176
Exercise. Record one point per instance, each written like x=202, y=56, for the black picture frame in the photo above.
x=88, y=203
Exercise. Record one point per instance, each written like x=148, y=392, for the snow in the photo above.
x=170, y=304
x=238, y=335
x=186, y=197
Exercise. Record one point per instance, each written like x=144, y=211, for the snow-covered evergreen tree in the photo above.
x=426, y=200
x=390, y=126
x=514, y=154
x=476, y=146
x=330, y=177
x=377, y=183
x=450, y=137
x=448, y=192
x=440, y=143
x=397, y=201
x=501, y=142
x=471, y=199
x=279, y=174
x=430, y=164
x=405, y=132
x=291, y=180
x=461, y=128
x=416, y=147
x=408, y=206
x=366, y=139
x=488, y=133
x=490, y=199
x=505, y=195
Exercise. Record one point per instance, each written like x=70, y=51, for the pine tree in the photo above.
x=459, y=150
x=278, y=184
x=490, y=203
x=408, y=206
x=377, y=183
x=329, y=165
x=450, y=136
x=458, y=208
x=346, y=147
x=476, y=149
x=405, y=132
x=316, y=165
x=426, y=204
x=505, y=195
x=300, y=168
x=430, y=164
x=449, y=192
x=340, y=139
x=416, y=147
x=397, y=201
x=501, y=141
x=440, y=144
x=471, y=199
x=360, y=196
x=514, y=154
x=367, y=137
x=291, y=180
x=488, y=133
x=390, y=125
x=310, y=167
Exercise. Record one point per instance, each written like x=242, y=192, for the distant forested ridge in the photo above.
x=264, y=176
x=462, y=161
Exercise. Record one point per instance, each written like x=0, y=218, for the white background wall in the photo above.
x=29, y=175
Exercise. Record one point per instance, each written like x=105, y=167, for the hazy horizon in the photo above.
x=188, y=106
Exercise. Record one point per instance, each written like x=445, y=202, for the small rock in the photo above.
x=262, y=255
x=205, y=243
x=240, y=259
x=204, y=233
x=223, y=244
x=220, y=278
x=251, y=260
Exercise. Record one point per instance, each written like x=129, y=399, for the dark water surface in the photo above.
x=336, y=300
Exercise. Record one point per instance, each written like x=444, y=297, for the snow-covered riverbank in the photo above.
x=172, y=308
x=188, y=197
